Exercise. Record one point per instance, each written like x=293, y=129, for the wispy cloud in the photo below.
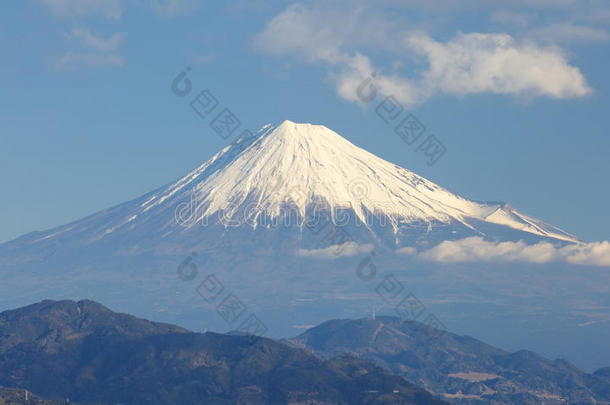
x=471, y=63
x=570, y=32
x=71, y=59
x=169, y=8
x=79, y=8
x=90, y=40
x=115, y=8
x=346, y=249
x=95, y=50
x=581, y=27
x=477, y=249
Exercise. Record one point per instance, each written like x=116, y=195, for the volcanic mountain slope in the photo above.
x=88, y=353
x=461, y=368
x=281, y=176
x=239, y=216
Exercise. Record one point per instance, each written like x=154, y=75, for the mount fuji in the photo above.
x=247, y=216
x=281, y=176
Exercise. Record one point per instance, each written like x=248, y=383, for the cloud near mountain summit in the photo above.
x=468, y=63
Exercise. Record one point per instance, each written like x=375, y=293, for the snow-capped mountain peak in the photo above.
x=292, y=167
x=300, y=164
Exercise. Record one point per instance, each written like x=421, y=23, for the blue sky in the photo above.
x=516, y=91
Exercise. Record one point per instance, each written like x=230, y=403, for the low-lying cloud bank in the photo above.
x=477, y=249
x=334, y=251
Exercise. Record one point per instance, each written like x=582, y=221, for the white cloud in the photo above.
x=473, y=63
x=594, y=254
x=407, y=250
x=306, y=32
x=476, y=249
x=98, y=43
x=98, y=51
x=346, y=249
x=496, y=63
x=79, y=8
x=319, y=36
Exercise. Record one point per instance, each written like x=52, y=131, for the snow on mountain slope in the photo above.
x=300, y=164
x=297, y=166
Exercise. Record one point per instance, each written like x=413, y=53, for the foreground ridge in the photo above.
x=459, y=368
x=83, y=351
